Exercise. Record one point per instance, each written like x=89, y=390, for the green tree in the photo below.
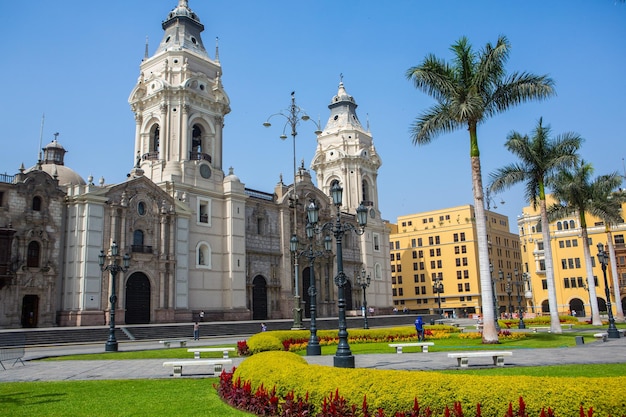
x=469, y=90
x=577, y=195
x=540, y=158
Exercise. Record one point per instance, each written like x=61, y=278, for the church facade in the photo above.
x=198, y=239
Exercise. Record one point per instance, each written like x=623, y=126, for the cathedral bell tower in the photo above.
x=179, y=105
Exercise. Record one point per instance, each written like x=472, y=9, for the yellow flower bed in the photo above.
x=394, y=391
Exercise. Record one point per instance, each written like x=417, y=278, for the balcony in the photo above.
x=150, y=156
x=141, y=249
x=199, y=156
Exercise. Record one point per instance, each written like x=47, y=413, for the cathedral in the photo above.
x=197, y=238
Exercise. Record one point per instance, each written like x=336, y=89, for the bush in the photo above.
x=396, y=391
x=263, y=342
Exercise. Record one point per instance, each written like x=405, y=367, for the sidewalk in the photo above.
x=613, y=351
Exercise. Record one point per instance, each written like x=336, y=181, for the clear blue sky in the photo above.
x=77, y=61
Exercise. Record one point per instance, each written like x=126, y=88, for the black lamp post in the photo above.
x=438, y=289
x=293, y=115
x=603, y=257
x=364, y=282
x=313, y=348
x=495, y=298
x=114, y=268
x=343, y=357
x=520, y=294
x=501, y=278
x=508, y=288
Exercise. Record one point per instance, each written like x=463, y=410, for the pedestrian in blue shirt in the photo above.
x=419, y=326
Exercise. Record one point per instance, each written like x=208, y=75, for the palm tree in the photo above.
x=469, y=90
x=540, y=157
x=577, y=195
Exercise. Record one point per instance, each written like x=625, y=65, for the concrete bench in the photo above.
x=399, y=346
x=216, y=365
x=536, y=329
x=463, y=357
x=167, y=343
x=224, y=350
x=11, y=353
x=602, y=336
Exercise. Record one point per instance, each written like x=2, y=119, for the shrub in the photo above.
x=263, y=342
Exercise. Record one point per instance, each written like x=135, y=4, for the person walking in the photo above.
x=196, y=331
x=419, y=327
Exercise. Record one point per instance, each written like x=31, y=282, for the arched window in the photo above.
x=138, y=238
x=378, y=272
x=36, y=203
x=559, y=226
x=572, y=225
x=155, y=139
x=203, y=255
x=32, y=255
x=565, y=225
x=196, y=139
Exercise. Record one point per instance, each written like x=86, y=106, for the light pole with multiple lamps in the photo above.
x=114, y=268
x=313, y=348
x=495, y=298
x=343, y=357
x=603, y=258
x=438, y=289
x=521, y=294
x=293, y=115
x=364, y=281
x=508, y=289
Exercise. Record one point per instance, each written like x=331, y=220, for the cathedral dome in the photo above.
x=183, y=10
x=53, y=164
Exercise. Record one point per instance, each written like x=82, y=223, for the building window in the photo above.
x=566, y=282
x=457, y=250
x=400, y=279
x=467, y=287
x=414, y=254
x=203, y=255
x=376, y=238
x=398, y=256
x=459, y=275
x=399, y=268
x=392, y=256
x=32, y=260
x=437, y=240
x=416, y=278
x=460, y=287
x=413, y=243
x=415, y=266
x=400, y=292
x=204, y=211
x=420, y=254
x=36, y=203
x=378, y=272
x=462, y=236
x=419, y=241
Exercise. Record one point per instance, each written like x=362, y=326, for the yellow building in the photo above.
x=439, y=250
x=570, y=276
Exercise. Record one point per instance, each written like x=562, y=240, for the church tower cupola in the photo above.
x=182, y=30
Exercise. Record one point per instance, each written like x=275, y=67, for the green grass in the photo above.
x=174, y=353
x=162, y=397
x=573, y=371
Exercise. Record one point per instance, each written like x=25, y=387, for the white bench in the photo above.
x=216, y=365
x=602, y=336
x=224, y=350
x=399, y=346
x=536, y=329
x=463, y=357
x=167, y=343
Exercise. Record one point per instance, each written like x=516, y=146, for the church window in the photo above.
x=196, y=139
x=138, y=238
x=155, y=139
x=365, y=191
x=36, y=203
x=203, y=255
x=141, y=208
x=32, y=255
x=204, y=211
x=376, y=238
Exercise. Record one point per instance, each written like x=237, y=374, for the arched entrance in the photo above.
x=602, y=305
x=306, y=298
x=259, y=298
x=138, y=299
x=577, y=307
x=30, y=310
x=545, y=306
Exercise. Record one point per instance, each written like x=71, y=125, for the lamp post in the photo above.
x=603, y=257
x=364, y=282
x=509, y=289
x=438, y=289
x=343, y=357
x=114, y=268
x=293, y=115
x=520, y=294
x=495, y=298
x=501, y=278
x=313, y=348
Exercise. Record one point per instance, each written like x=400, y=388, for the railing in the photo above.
x=199, y=156
x=7, y=178
x=204, y=218
x=141, y=249
x=259, y=194
x=367, y=203
x=150, y=156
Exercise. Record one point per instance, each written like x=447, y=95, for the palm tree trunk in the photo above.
x=591, y=282
x=619, y=312
x=490, y=333
x=555, y=323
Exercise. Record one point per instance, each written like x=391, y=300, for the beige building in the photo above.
x=434, y=263
x=571, y=280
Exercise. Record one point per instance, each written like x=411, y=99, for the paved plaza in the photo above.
x=612, y=351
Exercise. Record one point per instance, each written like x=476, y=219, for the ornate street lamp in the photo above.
x=343, y=357
x=603, y=257
x=293, y=115
x=520, y=294
x=501, y=278
x=313, y=348
x=438, y=289
x=364, y=282
x=508, y=288
x=114, y=268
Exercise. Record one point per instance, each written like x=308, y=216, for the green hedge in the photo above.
x=395, y=390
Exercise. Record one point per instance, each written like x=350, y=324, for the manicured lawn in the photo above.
x=163, y=397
